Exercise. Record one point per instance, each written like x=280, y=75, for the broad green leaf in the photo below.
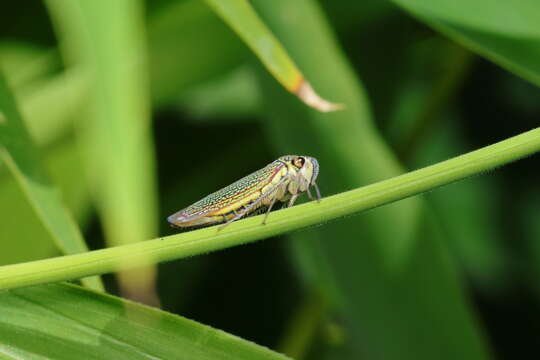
x=240, y=15
x=68, y=322
x=22, y=158
x=505, y=32
x=282, y=221
x=116, y=135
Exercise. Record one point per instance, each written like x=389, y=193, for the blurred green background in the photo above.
x=463, y=259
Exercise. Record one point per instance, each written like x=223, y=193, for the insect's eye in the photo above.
x=299, y=162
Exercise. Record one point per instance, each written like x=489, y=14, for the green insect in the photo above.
x=282, y=180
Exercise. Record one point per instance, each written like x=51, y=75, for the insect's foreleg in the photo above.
x=280, y=187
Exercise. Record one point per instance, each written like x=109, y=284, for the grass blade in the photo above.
x=240, y=15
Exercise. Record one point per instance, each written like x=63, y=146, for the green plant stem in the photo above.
x=249, y=230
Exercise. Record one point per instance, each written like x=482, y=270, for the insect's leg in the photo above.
x=317, y=190
x=309, y=194
x=269, y=208
x=292, y=200
x=243, y=212
x=255, y=203
x=281, y=186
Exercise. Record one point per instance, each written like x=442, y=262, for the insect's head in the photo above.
x=306, y=166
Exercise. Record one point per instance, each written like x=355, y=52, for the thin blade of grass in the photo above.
x=239, y=14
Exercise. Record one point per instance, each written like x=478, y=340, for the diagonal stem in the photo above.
x=286, y=220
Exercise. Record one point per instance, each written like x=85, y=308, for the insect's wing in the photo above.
x=180, y=219
x=204, y=211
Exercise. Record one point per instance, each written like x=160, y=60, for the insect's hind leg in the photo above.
x=255, y=203
x=316, y=190
x=236, y=217
x=309, y=194
x=292, y=200
x=268, y=211
x=242, y=213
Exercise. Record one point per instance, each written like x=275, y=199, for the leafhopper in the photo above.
x=282, y=180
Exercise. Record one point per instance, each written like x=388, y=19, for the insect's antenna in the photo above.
x=317, y=190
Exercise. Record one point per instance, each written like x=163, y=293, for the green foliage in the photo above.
x=22, y=159
x=286, y=220
x=126, y=112
x=506, y=34
x=62, y=320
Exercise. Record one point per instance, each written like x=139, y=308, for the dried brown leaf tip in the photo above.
x=306, y=93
